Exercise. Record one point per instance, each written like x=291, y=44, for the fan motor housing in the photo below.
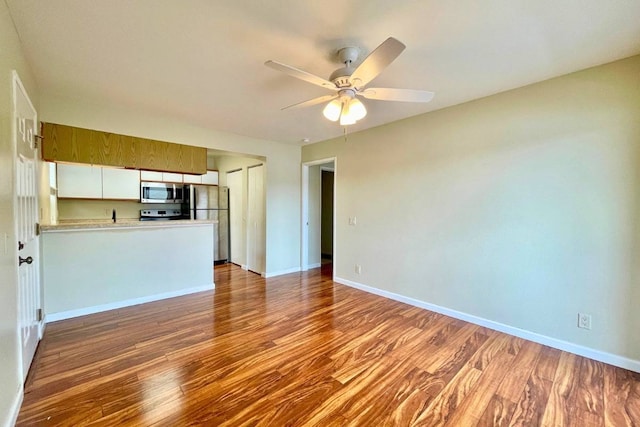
x=342, y=76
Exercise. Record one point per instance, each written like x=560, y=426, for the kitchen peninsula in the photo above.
x=93, y=266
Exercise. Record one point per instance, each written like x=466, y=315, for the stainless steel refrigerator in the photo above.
x=212, y=202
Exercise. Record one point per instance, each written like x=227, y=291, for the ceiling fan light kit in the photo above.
x=350, y=82
x=347, y=108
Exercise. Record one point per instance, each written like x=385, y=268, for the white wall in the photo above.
x=521, y=208
x=86, y=269
x=11, y=58
x=282, y=174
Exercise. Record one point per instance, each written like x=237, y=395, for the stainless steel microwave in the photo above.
x=161, y=192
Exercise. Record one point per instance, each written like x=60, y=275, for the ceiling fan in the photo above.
x=348, y=82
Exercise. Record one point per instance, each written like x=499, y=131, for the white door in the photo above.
x=234, y=182
x=26, y=219
x=255, y=220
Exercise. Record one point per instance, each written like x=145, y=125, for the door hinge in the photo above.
x=39, y=315
x=36, y=140
x=37, y=229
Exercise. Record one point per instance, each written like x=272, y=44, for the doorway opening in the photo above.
x=318, y=248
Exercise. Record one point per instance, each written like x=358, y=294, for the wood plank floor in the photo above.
x=299, y=350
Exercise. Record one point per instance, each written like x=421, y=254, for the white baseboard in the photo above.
x=601, y=356
x=52, y=317
x=14, y=411
x=281, y=272
x=244, y=267
x=310, y=266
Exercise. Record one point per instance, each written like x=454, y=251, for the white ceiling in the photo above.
x=202, y=60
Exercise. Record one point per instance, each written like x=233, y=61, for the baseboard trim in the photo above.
x=601, y=356
x=281, y=272
x=53, y=317
x=12, y=417
x=314, y=265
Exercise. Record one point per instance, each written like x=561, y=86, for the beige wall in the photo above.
x=521, y=208
x=11, y=58
x=69, y=209
x=282, y=174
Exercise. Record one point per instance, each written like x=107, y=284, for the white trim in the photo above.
x=310, y=266
x=53, y=317
x=601, y=356
x=281, y=272
x=14, y=410
x=244, y=267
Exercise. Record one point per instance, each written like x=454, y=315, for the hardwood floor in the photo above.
x=301, y=350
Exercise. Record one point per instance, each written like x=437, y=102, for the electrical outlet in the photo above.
x=358, y=269
x=352, y=220
x=584, y=321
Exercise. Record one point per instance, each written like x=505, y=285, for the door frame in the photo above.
x=304, y=224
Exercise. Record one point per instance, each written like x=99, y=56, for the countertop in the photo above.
x=107, y=224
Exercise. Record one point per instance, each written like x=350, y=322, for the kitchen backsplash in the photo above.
x=101, y=209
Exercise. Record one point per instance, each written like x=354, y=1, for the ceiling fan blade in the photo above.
x=377, y=61
x=389, y=94
x=314, y=101
x=300, y=74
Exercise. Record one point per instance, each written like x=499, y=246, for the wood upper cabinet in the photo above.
x=71, y=144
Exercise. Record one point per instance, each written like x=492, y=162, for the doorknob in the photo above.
x=28, y=260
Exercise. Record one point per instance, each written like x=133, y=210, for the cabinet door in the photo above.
x=192, y=179
x=150, y=176
x=121, y=184
x=211, y=177
x=80, y=182
x=171, y=177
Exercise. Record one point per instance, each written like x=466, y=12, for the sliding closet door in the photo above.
x=256, y=220
x=236, y=195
